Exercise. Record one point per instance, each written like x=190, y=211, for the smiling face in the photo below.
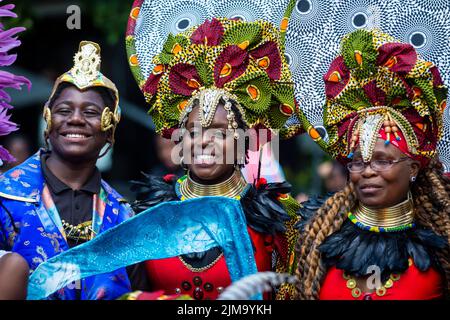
x=76, y=124
x=209, y=148
x=382, y=189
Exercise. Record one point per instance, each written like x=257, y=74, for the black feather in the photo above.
x=354, y=250
x=263, y=211
x=151, y=191
x=309, y=208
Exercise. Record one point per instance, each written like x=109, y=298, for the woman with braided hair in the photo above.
x=386, y=235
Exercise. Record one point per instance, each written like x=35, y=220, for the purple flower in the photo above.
x=8, y=41
x=5, y=11
x=6, y=126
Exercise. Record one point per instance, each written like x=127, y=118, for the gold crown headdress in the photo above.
x=85, y=74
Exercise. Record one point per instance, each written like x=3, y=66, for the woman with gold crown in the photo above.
x=214, y=82
x=386, y=235
x=56, y=199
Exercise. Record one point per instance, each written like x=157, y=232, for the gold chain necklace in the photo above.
x=231, y=188
x=397, y=216
x=193, y=269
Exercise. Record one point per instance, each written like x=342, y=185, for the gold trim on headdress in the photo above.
x=86, y=74
x=86, y=64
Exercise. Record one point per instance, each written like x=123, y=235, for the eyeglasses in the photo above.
x=376, y=165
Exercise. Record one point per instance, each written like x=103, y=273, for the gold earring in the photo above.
x=47, y=115
x=106, y=121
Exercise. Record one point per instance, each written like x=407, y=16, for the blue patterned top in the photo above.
x=28, y=228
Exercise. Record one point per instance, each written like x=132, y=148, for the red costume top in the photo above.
x=413, y=284
x=173, y=276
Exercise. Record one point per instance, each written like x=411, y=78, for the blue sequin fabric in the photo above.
x=167, y=230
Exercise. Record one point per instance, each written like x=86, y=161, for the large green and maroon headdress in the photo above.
x=221, y=59
x=380, y=88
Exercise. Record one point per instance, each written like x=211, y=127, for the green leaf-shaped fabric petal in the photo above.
x=253, y=91
x=172, y=46
x=246, y=36
x=283, y=105
x=359, y=53
x=204, y=70
x=171, y=106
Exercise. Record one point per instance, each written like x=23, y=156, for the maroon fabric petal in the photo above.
x=167, y=133
x=398, y=57
x=437, y=80
x=209, y=33
x=336, y=78
x=345, y=127
x=268, y=57
x=184, y=79
x=376, y=96
x=151, y=85
x=425, y=131
x=231, y=63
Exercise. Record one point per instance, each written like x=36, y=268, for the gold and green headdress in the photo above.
x=380, y=88
x=85, y=74
x=220, y=59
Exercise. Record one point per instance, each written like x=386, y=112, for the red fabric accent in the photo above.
x=179, y=76
x=437, y=80
x=281, y=246
x=399, y=57
x=169, y=274
x=399, y=144
x=212, y=31
x=332, y=88
x=269, y=50
x=169, y=177
x=412, y=285
x=261, y=182
x=151, y=85
x=376, y=96
x=425, y=131
x=131, y=26
x=238, y=60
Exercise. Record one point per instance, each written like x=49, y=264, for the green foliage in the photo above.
x=110, y=16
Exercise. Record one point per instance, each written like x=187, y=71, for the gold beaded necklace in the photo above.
x=381, y=291
x=231, y=188
x=82, y=232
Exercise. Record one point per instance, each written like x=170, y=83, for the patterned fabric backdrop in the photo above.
x=313, y=36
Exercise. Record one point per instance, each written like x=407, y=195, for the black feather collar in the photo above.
x=263, y=211
x=354, y=250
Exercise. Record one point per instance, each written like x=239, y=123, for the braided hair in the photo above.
x=431, y=194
